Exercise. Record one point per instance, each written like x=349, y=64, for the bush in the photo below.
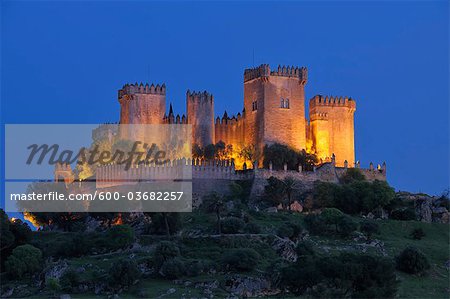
x=80, y=244
x=52, y=284
x=70, y=280
x=24, y=260
x=315, y=224
x=232, y=225
x=412, y=261
x=172, y=269
x=369, y=228
x=165, y=251
x=346, y=275
x=196, y=267
x=289, y=230
x=404, y=214
x=241, y=259
x=417, y=234
x=123, y=274
x=305, y=248
x=346, y=226
x=120, y=236
x=252, y=228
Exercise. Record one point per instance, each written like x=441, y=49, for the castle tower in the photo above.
x=142, y=104
x=332, y=128
x=200, y=114
x=274, y=102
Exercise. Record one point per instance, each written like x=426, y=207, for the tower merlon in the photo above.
x=263, y=71
x=320, y=100
x=200, y=96
x=129, y=89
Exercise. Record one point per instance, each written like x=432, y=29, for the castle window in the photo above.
x=254, y=106
x=284, y=103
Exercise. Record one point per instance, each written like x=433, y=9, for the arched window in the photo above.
x=254, y=105
x=284, y=103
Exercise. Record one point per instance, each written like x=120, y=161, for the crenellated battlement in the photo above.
x=226, y=120
x=320, y=100
x=263, y=71
x=129, y=89
x=199, y=96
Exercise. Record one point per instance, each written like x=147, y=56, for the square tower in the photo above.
x=274, y=103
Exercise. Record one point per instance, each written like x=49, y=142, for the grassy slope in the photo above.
x=394, y=234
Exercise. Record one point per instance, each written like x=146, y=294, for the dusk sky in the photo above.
x=63, y=62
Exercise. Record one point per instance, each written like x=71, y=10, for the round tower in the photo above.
x=142, y=104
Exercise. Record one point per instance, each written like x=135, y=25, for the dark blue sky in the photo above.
x=63, y=62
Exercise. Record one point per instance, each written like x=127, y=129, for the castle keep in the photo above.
x=274, y=111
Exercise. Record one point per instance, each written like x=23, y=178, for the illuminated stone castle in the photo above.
x=274, y=111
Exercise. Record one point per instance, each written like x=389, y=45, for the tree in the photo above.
x=209, y=152
x=124, y=273
x=289, y=185
x=6, y=236
x=275, y=190
x=332, y=216
x=215, y=203
x=24, y=260
x=165, y=223
x=352, y=175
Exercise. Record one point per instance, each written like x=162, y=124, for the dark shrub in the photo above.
x=80, y=244
x=24, y=260
x=241, y=259
x=346, y=275
x=165, y=251
x=123, y=274
x=70, y=280
x=315, y=225
x=172, y=269
x=412, y=261
x=232, y=225
x=195, y=267
x=252, y=228
x=300, y=276
x=346, y=226
x=120, y=236
x=403, y=214
x=417, y=234
x=369, y=228
x=289, y=230
x=305, y=248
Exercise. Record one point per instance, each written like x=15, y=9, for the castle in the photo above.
x=273, y=112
